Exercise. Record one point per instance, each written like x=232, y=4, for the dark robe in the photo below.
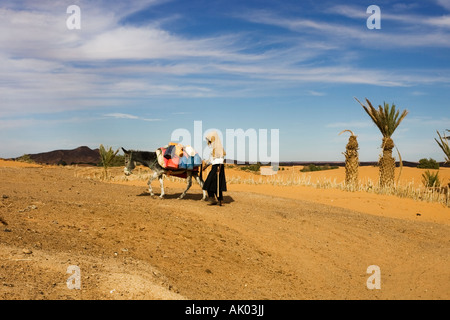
x=210, y=184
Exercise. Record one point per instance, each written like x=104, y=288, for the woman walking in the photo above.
x=215, y=184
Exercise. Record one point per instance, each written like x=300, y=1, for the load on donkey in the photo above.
x=173, y=159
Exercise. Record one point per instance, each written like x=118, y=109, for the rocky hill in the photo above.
x=80, y=155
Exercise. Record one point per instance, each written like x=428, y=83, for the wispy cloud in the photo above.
x=29, y=122
x=128, y=56
x=399, y=15
x=121, y=116
x=316, y=93
x=444, y=3
x=439, y=124
x=128, y=116
x=181, y=113
x=337, y=32
x=108, y=62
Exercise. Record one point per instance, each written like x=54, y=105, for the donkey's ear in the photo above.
x=125, y=151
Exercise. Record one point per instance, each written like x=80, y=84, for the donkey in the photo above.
x=150, y=160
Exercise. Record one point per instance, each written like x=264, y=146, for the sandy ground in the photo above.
x=266, y=242
x=366, y=202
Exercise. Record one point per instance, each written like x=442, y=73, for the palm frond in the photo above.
x=398, y=120
x=372, y=112
x=431, y=180
x=351, y=132
x=386, y=118
x=443, y=143
x=107, y=156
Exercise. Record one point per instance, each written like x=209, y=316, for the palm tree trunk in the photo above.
x=387, y=164
x=351, y=162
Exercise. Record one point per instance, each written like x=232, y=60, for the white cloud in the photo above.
x=444, y=3
x=121, y=116
x=316, y=93
x=45, y=67
x=342, y=33
x=329, y=74
x=440, y=123
x=418, y=93
x=442, y=21
x=399, y=15
x=128, y=116
x=28, y=122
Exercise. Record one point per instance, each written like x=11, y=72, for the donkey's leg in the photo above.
x=200, y=182
x=189, y=184
x=161, y=182
x=152, y=177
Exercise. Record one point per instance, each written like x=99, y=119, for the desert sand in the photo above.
x=267, y=242
x=361, y=201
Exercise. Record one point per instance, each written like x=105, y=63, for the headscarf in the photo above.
x=215, y=144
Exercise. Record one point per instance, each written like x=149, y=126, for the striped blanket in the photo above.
x=175, y=156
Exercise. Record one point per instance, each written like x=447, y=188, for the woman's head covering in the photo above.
x=216, y=145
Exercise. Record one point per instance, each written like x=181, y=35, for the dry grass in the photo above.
x=291, y=178
x=440, y=195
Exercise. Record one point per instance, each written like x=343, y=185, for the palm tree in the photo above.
x=443, y=143
x=107, y=157
x=387, y=119
x=351, y=160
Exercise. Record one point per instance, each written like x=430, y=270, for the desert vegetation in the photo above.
x=430, y=179
x=293, y=177
x=107, y=159
x=387, y=119
x=351, y=160
x=443, y=144
x=25, y=158
x=313, y=167
x=256, y=167
x=428, y=164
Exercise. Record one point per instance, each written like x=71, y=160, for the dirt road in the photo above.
x=129, y=245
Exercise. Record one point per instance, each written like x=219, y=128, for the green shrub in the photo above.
x=428, y=164
x=119, y=161
x=253, y=167
x=313, y=167
x=430, y=179
x=25, y=158
x=107, y=156
x=62, y=163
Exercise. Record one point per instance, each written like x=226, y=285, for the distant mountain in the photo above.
x=86, y=155
x=80, y=155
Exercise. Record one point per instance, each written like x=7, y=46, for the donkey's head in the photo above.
x=129, y=162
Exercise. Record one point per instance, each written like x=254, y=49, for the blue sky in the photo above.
x=137, y=70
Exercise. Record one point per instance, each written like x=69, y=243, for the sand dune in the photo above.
x=361, y=201
x=266, y=242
